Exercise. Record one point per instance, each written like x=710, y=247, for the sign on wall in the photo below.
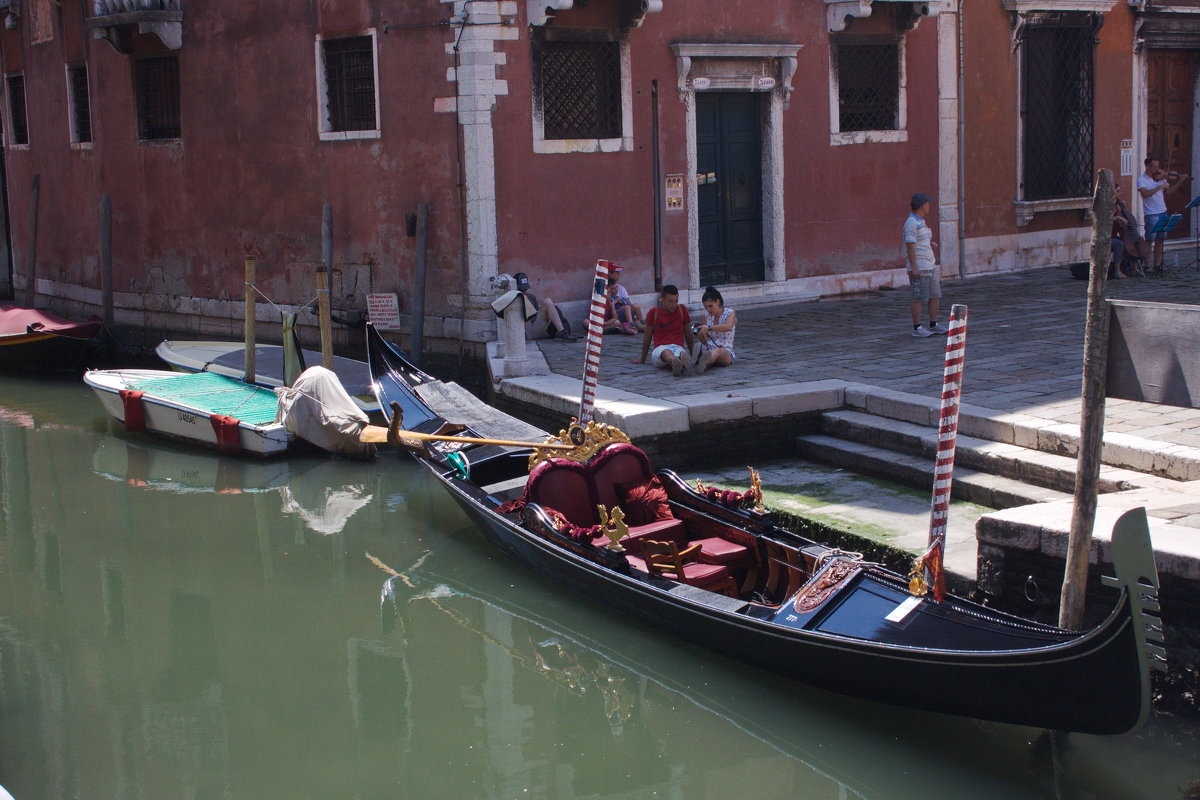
x=384, y=311
x=1126, y=157
x=674, y=192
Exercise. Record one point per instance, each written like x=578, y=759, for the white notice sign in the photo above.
x=384, y=311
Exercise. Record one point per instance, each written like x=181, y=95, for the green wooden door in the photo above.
x=729, y=194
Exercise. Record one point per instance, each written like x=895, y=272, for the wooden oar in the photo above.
x=376, y=434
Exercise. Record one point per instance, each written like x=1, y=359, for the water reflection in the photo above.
x=175, y=624
x=318, y=491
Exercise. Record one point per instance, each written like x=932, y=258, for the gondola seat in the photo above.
x=620, y=475
x=669, y=560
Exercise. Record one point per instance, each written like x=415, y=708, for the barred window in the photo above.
x=16, y=109
x=1057, y=104
x=868, y=76
x=81, y=112
x=578, y=79
x=156, y=85
x=349, y=84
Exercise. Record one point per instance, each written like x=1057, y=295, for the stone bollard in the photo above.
x=512, y=329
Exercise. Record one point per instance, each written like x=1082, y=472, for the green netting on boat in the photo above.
x=214, y=394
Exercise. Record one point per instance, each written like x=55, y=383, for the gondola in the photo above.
x=704, y=566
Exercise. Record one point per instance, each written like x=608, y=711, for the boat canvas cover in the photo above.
x=318, y=409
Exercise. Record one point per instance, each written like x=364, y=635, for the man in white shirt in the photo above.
x=1154, y=185
x=923, y=275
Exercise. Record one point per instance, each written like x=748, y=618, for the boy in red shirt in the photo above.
x=669, y=328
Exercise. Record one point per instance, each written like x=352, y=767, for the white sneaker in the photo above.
x=936, y=328
x=920, y=332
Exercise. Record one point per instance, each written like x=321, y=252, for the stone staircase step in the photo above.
x=993, y=491
x=1012, y=461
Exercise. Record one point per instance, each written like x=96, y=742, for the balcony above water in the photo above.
x=119, y=21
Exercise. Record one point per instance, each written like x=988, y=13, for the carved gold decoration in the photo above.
x=612, y=525
x=587, y=441
x=916, y=580
x=818, y=590
x=756, y=490
x=700, y=487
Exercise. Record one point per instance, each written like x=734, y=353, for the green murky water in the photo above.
x=178, y=625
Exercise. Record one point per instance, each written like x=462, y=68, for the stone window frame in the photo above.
x=1021, y=10
x=11, y=138
x=325, y=131
x=72, y=115
x=837, y=136
x=622, y=143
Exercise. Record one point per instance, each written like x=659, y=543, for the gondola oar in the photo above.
x=394, y=434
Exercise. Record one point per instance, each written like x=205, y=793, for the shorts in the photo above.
x=656, y=355
x=1151, y=220
x=927, y=287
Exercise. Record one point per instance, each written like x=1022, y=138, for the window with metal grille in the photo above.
x=16, y=108
x=81, y=112
x=156, y=84
x=1057, y=101
x=579, y=82
x=350, y=83
x=868, y=76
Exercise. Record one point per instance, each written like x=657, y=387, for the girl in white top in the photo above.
x=716, y=334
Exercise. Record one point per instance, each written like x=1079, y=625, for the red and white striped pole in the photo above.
x=943, y=469
x=595, y=335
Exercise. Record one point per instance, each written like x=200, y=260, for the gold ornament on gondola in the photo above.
x=612, y=525
x=756, y=490
x=587, y=440
x=916, y=580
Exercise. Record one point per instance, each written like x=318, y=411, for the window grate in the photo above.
x=868, y=74
x=81, y=112
x=350, y=83
x=1058, y=110
x=16, y=100
x=581, y=89
x=157, y=84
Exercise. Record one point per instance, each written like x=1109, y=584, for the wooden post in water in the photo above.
x=324, y=279
x=323, y=314
x=35, y=192
x=418, y=300
x=251, y=353
x=1091, y=418
x=106, y=276
x=595, y=335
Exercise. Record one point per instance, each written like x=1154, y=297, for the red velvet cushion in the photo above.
x=644, y=501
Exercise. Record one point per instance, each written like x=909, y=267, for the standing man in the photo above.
x=1154, y=185
x=923, y=275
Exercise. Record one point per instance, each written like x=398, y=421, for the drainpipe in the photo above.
x=658, y=189
x=962, y=148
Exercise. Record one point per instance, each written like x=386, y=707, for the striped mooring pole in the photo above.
x=943, y=468
x=595, y=335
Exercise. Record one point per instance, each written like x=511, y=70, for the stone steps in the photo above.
x=995, y=474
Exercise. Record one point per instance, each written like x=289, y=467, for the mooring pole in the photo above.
x=106, y=276
x=595, y=335
x=251, y=307
x=943, y=467
x=324, y=280
x=418, y=300
x=35, y=193
x=1091, y=418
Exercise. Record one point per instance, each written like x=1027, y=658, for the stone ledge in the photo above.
x=1045, y=528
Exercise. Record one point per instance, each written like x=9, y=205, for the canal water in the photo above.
x=175, y=624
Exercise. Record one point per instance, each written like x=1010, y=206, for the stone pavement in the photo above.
x=1021, y=388
x=1024, y=349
